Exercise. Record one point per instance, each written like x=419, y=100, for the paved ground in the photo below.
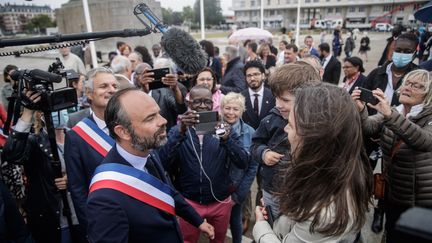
x=43, y=60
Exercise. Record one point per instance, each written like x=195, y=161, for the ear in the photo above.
x=89, y=93
x=122, y=133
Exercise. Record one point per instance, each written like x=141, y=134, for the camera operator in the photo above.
x=32, y=149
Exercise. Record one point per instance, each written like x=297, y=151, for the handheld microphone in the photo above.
x=183, y=49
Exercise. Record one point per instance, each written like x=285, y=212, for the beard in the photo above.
x=145, y=143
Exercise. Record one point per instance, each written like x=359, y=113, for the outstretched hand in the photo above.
x=189, y=118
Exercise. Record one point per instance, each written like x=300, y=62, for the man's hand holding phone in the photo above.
x=189, y=118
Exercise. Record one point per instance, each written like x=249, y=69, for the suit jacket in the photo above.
x=332, y=71
x=169, y=108
x=358, y=83
x=117, y=217
x=81, y=161
x=76, y=117
x=249, y=116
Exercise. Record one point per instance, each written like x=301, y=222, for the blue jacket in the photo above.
x=117, y=217
x=242, y=178
x=81, y=161
x=216, y=156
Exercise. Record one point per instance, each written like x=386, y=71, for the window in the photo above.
x=330, y=10
x=316, y=1
x=268, y=2
x=288, y=1
x=337, y=10
x=253, y=3
x=307, y=1
x=272, y=12
x=387, y=8
x=351, y=9
x=361, y=9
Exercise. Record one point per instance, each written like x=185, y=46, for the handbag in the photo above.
x=379, y=178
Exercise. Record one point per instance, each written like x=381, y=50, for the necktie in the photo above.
x=255, y=104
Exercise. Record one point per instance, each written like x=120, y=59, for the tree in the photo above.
x=39, y=23
x=188, y=14
x=212, y=12
x=169, y=17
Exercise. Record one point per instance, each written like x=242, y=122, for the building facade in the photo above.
x=13, y=18
x=283, y=13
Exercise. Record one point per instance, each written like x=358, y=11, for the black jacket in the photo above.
x=249, y=116
x=234, y=79
x=378, y=79
x=332, y=71
x=270, y=135
x=358, y=83
x=43, y=199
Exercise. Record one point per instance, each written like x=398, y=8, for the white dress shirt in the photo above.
x=327, y=60
x=389, y=91
x=260, y=97
x=136, y=161
x=101, y=124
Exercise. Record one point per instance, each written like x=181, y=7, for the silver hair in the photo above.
x=236, y=98
x=232, y=52
x=120, y=63
x=140, y=58
x=164, y=63
x=89, y=83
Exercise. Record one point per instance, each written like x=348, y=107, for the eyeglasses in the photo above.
x=414, y=86
x=206, y=102
x=206, y=79
x=253, y=75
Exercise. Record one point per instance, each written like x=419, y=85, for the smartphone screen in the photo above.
x=207, y=122
x=367, y=96
x=158, y=74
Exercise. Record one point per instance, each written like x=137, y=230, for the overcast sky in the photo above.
x=176, y=5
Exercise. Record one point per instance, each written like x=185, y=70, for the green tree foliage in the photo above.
x=212, y=12
x=39, y=23
x=169, y=17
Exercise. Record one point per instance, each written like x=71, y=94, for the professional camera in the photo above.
x=56, y=93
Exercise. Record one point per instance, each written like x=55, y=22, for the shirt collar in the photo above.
x=99, y=122
x=136, y=161
x=415, y=110
x=260, y=92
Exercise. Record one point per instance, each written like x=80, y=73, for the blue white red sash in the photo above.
x=135, y=183
x=94, y=136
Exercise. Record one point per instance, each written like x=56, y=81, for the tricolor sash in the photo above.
x=94, y=136
x=135, y=183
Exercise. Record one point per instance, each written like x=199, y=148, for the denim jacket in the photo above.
x=242, y=178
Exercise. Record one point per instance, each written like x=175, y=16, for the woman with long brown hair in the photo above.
x=327, y=188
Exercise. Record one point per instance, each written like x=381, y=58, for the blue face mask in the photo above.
x=402, y=59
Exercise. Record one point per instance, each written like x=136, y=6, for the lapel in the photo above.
x=266, y=105
x=156, y=94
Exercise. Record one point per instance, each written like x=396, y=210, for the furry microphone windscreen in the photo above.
x=184, y=50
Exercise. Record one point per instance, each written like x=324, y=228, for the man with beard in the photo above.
x=259, y=99
x=131, y=199
x=88, y=142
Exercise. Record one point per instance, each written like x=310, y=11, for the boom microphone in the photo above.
x=183, y=49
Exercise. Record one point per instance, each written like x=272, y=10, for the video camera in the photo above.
x=54, y=86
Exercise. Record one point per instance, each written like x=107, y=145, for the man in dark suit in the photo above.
x=233, y=79
x=85, y=149
x=138, y=213
x=331, y=65
x=259, y=99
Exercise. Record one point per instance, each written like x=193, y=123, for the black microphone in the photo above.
x=37, y=74
x=183, y=49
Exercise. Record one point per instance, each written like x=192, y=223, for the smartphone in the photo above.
x=207, y=122
x=158, y=75
x=367, y=96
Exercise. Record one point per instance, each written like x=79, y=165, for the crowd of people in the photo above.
x=135, y=168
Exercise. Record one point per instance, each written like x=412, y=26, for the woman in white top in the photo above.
x=327, y=188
